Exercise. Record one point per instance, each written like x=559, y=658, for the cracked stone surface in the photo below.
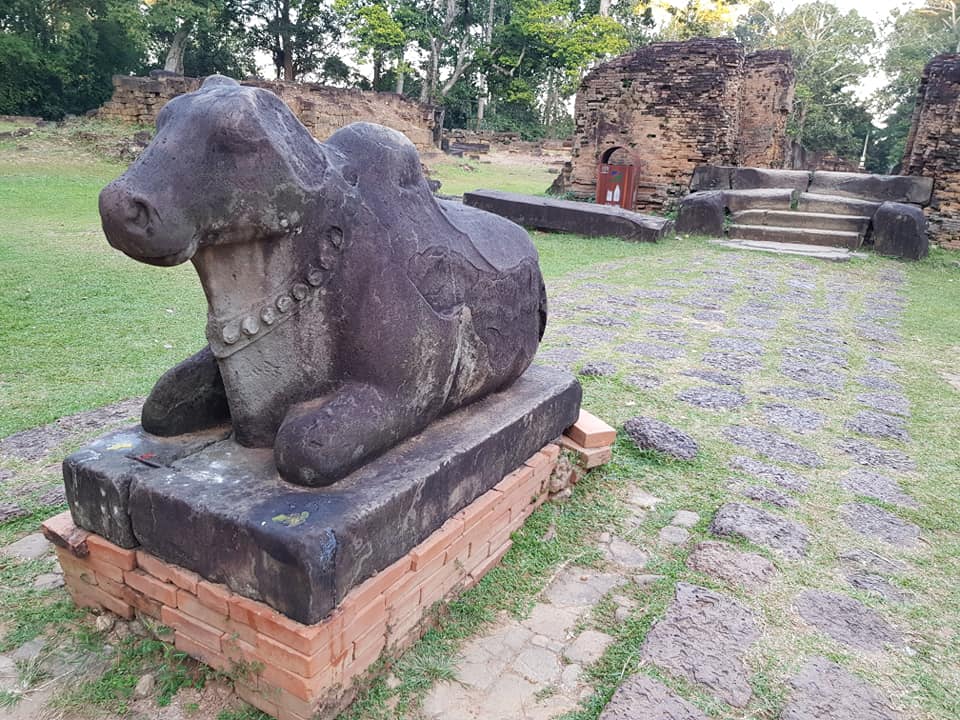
x=770, y=473
x=623, y=553
x=812, y=374
x=846, y=620
x=822, y=690
x=877, y=382
x=877, y=486
x=866, y=453
x=882, y=366
x=703, y=638
x=879, y=425
x=587, y=648
x=799, y=420
x=786, y=537
x=642, y=698
x=762, y=493
x=644, y=382
x=656, y=351
x=712, y=398
x=737, y=345
x=793, y=392
x=727, y=563
x=717, y=378
x=673, y=535
x=772, y=445
x=878, y=523
x=650, y=434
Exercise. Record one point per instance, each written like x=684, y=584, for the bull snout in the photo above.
x=135, y=226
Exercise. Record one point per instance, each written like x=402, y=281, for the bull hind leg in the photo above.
x=187, y=398
x=322, y=440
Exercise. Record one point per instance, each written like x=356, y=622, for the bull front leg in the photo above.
x=187, y=398
x=322, y=440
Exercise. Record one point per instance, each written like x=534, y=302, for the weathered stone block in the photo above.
x=893, y=188
x=900, y=230
x=712, y=177
x=702, y=213
x=747, y=178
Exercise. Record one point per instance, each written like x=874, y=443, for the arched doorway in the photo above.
x=616, y=178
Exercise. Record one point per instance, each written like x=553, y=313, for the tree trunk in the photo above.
x=401, y=72
x=288, y=73
x=178, y=47
x=377, y=68
x=605, y=7
x=484, y=85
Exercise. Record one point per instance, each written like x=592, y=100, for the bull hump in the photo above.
x=502, y=244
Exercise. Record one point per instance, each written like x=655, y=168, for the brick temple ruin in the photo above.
x=671, y=106
x=321, y=108
x=933, y=146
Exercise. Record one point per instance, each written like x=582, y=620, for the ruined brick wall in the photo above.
x=766, y=98
x=676, y=105
x=933, y=146
x=322, y=109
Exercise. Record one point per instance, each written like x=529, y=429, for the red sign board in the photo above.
x=615, y=185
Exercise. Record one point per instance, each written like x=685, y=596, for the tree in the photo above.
x=300, y=35
x=699, y=18
x=379, y=35
x=199, y=37
x=916, y=36
x=831, y=52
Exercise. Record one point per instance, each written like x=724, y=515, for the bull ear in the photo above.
x=215, y=81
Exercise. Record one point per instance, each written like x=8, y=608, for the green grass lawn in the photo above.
x=81, y=325
x=460, y=175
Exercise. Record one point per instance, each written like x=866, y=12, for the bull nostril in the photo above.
x=138, y=213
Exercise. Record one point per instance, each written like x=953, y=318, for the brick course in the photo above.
x=290, y=670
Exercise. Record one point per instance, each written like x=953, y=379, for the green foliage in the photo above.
x=699, y=18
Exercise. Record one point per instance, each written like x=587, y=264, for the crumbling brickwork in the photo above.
x=933, y=146
x=322, y=109
x=676, y=105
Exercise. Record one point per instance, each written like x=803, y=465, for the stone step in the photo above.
x=804, y=220
x=836, y=205
x=781, y=248
x=759, y=199
x=806, y=236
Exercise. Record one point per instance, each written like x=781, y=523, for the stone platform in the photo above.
x=221, y=510
x=295, y=671
x=568, y=216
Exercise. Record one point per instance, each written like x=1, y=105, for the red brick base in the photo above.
x=293, y=671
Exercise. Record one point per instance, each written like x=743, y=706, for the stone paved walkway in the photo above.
x=775, y=573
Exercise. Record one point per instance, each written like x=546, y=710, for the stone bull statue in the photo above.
x=347, y=307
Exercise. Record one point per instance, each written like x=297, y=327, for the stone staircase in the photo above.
x=822, y=209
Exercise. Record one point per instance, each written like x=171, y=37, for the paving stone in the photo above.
x=792, y=392
x=877, y=585
x=760, y=527
x=54, y=496
x=880, y=487
x=876, y=522
x=11, y=511
x=882, y=366
x=673, y=535
x=823, y=690
x=762, y=493
x=878, y=333
x=606, y=321
x=685, y=518
x=48, y=581
x=736, y=345
x=31, y=547
x=772, y=445
x=799, y=420
x=559, y=357
x=656, y=351
x=703, y=638
x=866, y=453
x=538, y=664
x=551, y=621
x=813, y=357
x=725, y=562
x=506, y=698
x=771, y=473
x=642, y=499
x=642, y=698
x=870, y=561
x=717, y=378
x=580, y=587
x=730, y=362
x=598, y=368
x=886, y=402
x=623, y=553
x=846, y=620
x=644, y=382
x=878, y=382
x=812, y=374
x=879, y=425
x=712, y=398
x=570, y=677
x=650, y=434
x=587, y=333
x=671, y=336
x=588, y=647
x=710, y=316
